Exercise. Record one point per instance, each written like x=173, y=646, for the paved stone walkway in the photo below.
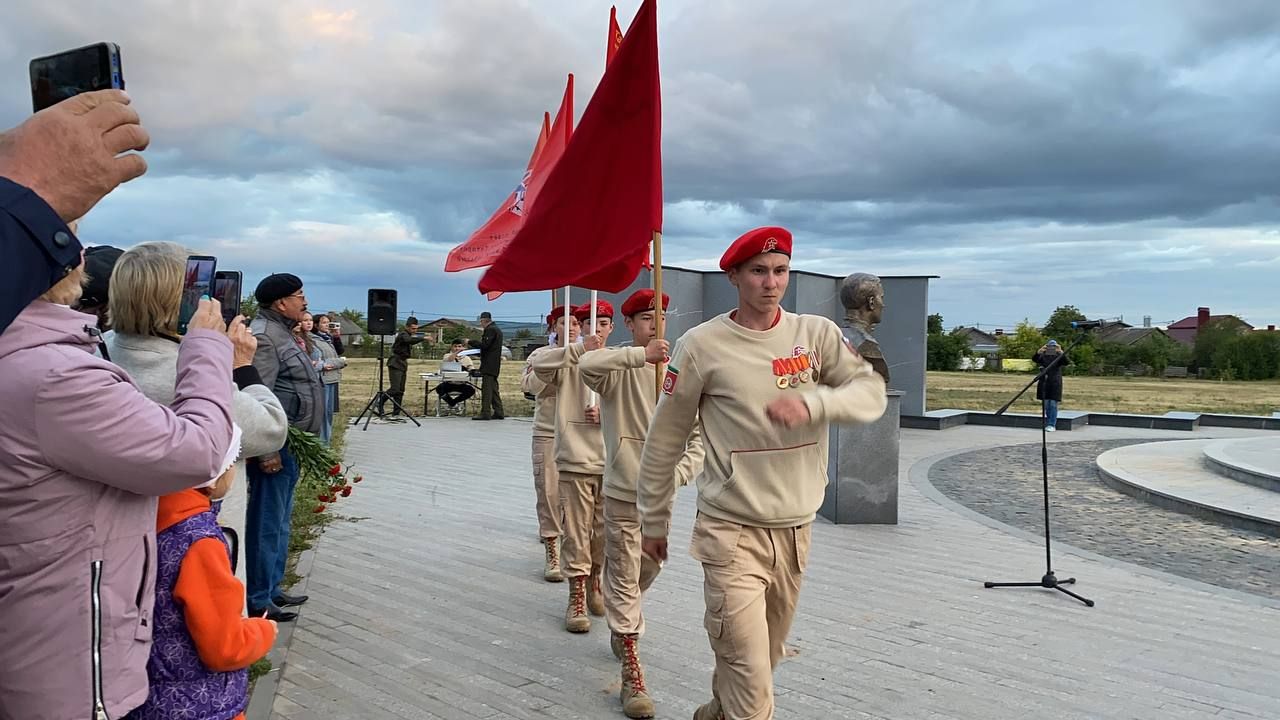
x=431, y=606
x=1005, y=483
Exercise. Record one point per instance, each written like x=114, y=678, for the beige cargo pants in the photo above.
x=546, y=485
x=751, y=584
x=628, y=573
x=582, y=531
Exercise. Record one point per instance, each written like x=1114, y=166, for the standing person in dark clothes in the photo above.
x=490, y=344
x=399, y=362
x=1049, y=389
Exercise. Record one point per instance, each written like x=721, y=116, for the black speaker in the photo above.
x=382, y=311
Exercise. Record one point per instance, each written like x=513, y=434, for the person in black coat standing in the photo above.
x=1049, y=389
x=490, y=345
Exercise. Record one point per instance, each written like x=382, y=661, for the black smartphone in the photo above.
x=226, y=290
x=197, y=283
x=55, y=78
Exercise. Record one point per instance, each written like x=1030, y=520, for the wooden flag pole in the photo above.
x=659, y=315
x=564, y=341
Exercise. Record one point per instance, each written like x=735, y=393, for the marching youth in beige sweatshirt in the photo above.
x=755, y=473
x=544, y=415
x=579, y=443
x=626, y=386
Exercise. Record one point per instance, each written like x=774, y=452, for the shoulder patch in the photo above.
x=669, y=380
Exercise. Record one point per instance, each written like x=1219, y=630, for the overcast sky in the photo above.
x=1122, y=157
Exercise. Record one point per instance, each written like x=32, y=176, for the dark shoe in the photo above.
x=285, y=600
x=273, y=613
x=499, y=417
x=482, y=417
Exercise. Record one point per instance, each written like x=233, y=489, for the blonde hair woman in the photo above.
x=145, y=298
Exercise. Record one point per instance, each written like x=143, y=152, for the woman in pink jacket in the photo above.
x=84, y=455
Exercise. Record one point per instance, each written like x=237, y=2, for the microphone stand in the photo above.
x=1049, y=580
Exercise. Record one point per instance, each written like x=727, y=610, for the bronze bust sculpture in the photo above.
x=863, y=298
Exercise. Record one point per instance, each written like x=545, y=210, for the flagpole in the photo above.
x=659, y=314
x=595, y=298
x=566, y=316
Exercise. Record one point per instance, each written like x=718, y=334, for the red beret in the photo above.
x=754, y=242
x=641, y=301
x=603, y=309
x=556, y=313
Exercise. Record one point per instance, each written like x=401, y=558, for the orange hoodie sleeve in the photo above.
x=212, y=598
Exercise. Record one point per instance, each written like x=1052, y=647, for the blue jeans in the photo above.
x=330, y=407
x=1051, y=413
x=266, y=528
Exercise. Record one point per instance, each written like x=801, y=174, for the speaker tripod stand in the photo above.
x=1049, y=579
x=380, y=398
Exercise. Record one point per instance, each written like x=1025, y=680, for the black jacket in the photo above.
x=401, y=349
x=1050, y=386
x=37, y=247
x=490, y=345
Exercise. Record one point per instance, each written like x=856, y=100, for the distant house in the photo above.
x=1123, y=334
x=980, y=343
x=1186, y=329
x=437, y=329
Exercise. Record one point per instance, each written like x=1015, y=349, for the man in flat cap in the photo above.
x=624, y=378
x=490, y=346
x=287, y=370
x=765, y=384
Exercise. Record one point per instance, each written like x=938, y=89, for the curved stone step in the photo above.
x=1251, y=460
x=1173, y=475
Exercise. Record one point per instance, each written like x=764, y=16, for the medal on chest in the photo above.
x=801, y=367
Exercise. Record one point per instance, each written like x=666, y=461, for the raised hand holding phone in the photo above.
x=208, y=316
x=197, y=283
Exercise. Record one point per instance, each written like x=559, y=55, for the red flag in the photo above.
x=615, y=37
x=611, y=49
x=488, y=242
x=592, y=222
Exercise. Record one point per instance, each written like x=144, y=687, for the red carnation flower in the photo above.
x=346, y=491
x=333, y=471
x=319, y=509
x=359, y=478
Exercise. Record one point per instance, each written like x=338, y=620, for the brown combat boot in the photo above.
x=636, y=702
x=576, y=619
x=595, y=598
x=551, y=571
x=615, y=644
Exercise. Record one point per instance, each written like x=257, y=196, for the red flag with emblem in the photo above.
x=487, y=243
x=615, y=37
x=592, y=222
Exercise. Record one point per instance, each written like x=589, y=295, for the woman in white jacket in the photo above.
x=145, y=295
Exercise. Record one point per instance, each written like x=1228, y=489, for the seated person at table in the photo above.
x=456, y=392
x=454, y=355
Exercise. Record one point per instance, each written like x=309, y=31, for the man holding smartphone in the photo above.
x=53, y=168
x=288, y=371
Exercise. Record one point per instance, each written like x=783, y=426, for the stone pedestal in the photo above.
x=862, y=470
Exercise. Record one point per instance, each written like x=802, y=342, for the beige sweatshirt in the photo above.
x=544, y=415
x=756, y=473
x=579, y=442
x=626, y=386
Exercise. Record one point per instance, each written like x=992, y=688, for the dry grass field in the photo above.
x=360, y=382
x=960, y=390
x=1149, y=396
